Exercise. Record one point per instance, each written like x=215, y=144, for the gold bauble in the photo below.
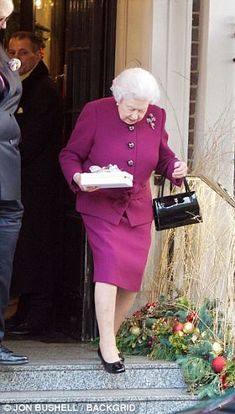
x=188, y=327
x=217, y=348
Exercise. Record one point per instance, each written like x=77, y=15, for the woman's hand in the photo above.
x=77, y=180
x=180, y=169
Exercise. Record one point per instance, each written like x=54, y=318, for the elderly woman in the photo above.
x=128, y=130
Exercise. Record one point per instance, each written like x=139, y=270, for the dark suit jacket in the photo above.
x=39, y=116
x=9, y=132
x=40, y=119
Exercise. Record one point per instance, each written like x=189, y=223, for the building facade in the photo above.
x=189, y=45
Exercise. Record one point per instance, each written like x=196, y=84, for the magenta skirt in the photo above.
x=120, y=251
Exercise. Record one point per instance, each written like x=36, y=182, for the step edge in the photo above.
x=105, y=395
x=77, y=367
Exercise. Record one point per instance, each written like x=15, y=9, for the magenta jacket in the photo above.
x=101, y=138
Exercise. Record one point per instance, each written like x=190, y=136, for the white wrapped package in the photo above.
x=106, y=177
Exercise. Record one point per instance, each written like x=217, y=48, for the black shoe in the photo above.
x=19, y=329
x=12, y=323
x=25, y=328
x=8, y=357
x=111, y=367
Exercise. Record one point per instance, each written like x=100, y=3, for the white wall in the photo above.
x=215, y=111
x=156, y=34
x=133, y=34
x=171, y=54
x=170, y=64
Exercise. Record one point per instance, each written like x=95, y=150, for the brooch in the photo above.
x=151, y=120
x=14, y=64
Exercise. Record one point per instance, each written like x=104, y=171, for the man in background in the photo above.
x=39, y=115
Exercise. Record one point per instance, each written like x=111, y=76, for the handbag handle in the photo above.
x=162, y=184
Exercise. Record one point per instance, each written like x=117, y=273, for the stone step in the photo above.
x=90, y=376
x=137, y=401
x=76, y=366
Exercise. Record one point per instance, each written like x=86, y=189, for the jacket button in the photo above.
x=130, y=163
x=11, y=141
x=131, y=144
x=131, y=127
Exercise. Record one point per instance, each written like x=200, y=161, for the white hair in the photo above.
x=135, y=83
x=6, y=8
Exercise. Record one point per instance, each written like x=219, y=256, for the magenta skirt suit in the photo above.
x=118, y=221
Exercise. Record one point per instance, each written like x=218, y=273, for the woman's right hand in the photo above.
x=77, y=180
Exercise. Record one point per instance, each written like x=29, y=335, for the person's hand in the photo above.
x=77, y=180
x=180, y=169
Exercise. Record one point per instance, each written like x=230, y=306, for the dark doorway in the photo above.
x=81, y=59
x=89, y=69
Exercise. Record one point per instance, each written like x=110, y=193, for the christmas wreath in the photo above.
x=178, y=332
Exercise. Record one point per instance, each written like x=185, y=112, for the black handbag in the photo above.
x=177, y=209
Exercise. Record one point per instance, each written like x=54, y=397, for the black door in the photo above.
x=89, y=70
x=89, y=52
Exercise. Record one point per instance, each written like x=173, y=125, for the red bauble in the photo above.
x=192, y=316
x=178, y=327
x=218, y=364
x=224, y=382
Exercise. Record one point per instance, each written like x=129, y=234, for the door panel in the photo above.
x=89, y=61
x=90, y=51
